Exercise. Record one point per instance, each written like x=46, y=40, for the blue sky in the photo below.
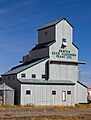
x=19, y=20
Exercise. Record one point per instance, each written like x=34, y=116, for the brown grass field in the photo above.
x=79, y=112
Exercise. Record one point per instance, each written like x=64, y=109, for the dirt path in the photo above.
x=45, y=113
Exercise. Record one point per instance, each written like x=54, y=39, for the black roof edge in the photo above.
x=46, y=43
x=82, y=84
x=67, y=21
x=8, y=74
x=46, y=27
x=75, y=45
x=21, y=66
x=47, y=83
x=28, y=62
x=55, y=24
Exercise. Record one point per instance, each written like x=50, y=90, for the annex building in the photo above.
x=49, y=73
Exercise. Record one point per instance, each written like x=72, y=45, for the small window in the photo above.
x=23, y=75
x=28, y=92
x=43, y=76
x=63, y=39
x=68, y=92
x=53, y=92
x=33, y=75
x=3, y=78
x=13, y=77
x=8, y=77
x=45, y=33
x=64, y=96
x=0, y=79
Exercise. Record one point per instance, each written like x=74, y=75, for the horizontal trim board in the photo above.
x=66, y=62
x=48, y=83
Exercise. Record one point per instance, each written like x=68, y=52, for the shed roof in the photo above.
x=43, y=45
x=5, y=87
x=24, y=66
x=53, y=23
x=46, y=82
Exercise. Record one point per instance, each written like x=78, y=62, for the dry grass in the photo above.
x=14, y=112
x=81, y=117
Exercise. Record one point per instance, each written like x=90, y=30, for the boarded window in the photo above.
x=68, y=92
x=64, y=96
x=53, y=92
x=23, y=75
x=33, y=75
x=28, y=92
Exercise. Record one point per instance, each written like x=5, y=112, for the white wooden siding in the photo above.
x=37, y=69
x=63, y=72
x=63, y=30
x=42, y=95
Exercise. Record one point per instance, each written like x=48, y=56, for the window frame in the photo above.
x=33, y=76
x=43, y=76
x=63, y=39
x=28, y=92
x=53, y=92
x=68, y=92
x=23, y=75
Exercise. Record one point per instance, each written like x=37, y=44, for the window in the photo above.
x=0, y=79
x=64, y=96
x=43, y=76
x=68, y=92
x=53, y=92
x=64, y=44
x=13, y=77
x=8, y=77
x=3, y=78
x=33, y=75
x=23, y=75
x=63, y=39
x=45, y=33
x=28, y=92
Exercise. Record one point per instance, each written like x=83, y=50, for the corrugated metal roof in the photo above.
x=21, y=68
x=53, y=23
x=47, y=82
x=5, y=87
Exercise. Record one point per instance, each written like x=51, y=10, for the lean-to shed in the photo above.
x=6, y=95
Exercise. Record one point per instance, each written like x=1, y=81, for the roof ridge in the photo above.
x=52, y=23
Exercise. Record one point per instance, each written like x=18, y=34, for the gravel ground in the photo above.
x=22, y=112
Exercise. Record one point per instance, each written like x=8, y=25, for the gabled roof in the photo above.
x=53, y=23
x=43, y=45
x=4, y=87
x=46, y=82
x=75, y=45
x=22, y=67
